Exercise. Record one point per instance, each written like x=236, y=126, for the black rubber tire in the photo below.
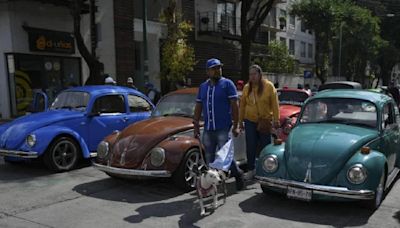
x=65, y=160
x=379, y=194
x=181, y=173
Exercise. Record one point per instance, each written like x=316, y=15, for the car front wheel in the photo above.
x=185, y=175
x=379, y=194
x=62, y=155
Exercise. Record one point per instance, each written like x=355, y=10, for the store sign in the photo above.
x=50, y=41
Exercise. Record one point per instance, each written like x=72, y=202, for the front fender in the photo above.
x=279, y=151
x=45, y=135
x=374, y=162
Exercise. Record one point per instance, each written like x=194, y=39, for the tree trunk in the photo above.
x=95, y=66
x=245, y=60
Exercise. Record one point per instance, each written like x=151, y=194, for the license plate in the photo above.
x=298, y=193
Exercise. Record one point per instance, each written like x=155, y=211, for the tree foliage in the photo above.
x=320, y=16
x=178, y=57
x=361, y=41
x=278, y=60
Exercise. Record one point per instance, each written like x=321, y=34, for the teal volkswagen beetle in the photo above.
x=344, y=146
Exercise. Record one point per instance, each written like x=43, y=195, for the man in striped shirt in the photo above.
x=218, y=100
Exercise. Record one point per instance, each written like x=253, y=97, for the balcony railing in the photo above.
x=214, y=23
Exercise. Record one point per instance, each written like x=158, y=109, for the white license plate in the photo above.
x=298, y=193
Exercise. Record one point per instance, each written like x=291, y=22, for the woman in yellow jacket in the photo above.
x=259, y=100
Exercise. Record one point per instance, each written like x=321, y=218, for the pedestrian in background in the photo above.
x=152, y=92
x=218, y=100
x=109, y=80
x=259, y=113
x=130, y=84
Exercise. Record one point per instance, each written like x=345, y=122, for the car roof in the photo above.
x=340, y=85
x=100, y=89
x=294, y=90
x=377, y=98
x=184, y=91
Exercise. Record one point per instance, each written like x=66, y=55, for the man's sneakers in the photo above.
x=239, y=180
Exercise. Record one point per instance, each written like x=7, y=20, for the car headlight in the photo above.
x=157, y=156
x=102, y=149
x=357, y=174
x=31, y=140
x=270, y=163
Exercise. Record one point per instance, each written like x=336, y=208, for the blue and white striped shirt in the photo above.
x=216, y=103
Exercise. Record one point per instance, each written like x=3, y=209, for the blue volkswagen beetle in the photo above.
x=76, y=122
x=345, y=146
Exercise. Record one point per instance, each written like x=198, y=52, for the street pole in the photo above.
x=340, y=50
x=145, y=54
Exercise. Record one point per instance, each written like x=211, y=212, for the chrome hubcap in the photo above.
x=379, y=190
x=64, y=154
x=193, y=164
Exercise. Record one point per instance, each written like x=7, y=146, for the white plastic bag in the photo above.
x=224, y=157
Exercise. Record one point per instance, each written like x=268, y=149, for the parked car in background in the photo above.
x=290, y=102
x=76, y=122
x=340, y=85
x=345, y=145
x=162, y=146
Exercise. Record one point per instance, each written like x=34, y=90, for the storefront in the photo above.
x=28, y=73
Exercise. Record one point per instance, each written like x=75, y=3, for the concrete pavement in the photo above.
x=31, y=196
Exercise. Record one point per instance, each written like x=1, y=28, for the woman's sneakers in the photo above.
x=250, y=175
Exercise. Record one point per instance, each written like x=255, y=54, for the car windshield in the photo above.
x=71, y=100
x=176, y=105
x=292, y=97
x=340, y=110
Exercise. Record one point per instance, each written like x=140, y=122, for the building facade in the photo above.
x=38, y=49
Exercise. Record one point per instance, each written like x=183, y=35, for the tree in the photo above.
x=320, y=16
x=95, y=66
x=278, y=60
x=253, y=13
x=177, y=58
x=361, y=39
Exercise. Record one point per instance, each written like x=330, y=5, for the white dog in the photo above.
x=207, y=186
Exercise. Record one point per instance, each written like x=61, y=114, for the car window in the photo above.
x=339, y=110
x=176, y=105
x=292, y=97
x=388, y=117
x=138, y=104
x=109, y=104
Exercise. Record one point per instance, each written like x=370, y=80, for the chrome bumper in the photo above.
x=132, y=172
x=18, y=154
x=339, y=192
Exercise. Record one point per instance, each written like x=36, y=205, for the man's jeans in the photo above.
x=253, y=138
x=213, y=141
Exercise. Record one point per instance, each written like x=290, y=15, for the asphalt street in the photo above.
x=31, y=196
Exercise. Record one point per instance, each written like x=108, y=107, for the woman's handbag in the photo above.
x=264, y=125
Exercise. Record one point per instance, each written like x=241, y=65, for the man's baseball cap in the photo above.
x=130, y=80
x=213, y=62
x=109, y=80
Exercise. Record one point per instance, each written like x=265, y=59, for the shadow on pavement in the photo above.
x=15, y=171
x=337, y=214
x=397, y=216
x=130, y=191
x=187, y=208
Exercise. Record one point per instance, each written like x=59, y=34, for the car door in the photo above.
x=390, y=134
x=139, y=108
x=397, y=136
x=108, y=113
x=39, y=102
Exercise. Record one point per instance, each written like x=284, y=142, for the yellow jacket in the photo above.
x=252, y=106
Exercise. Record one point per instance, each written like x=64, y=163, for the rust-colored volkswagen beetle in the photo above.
x=162, y=146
